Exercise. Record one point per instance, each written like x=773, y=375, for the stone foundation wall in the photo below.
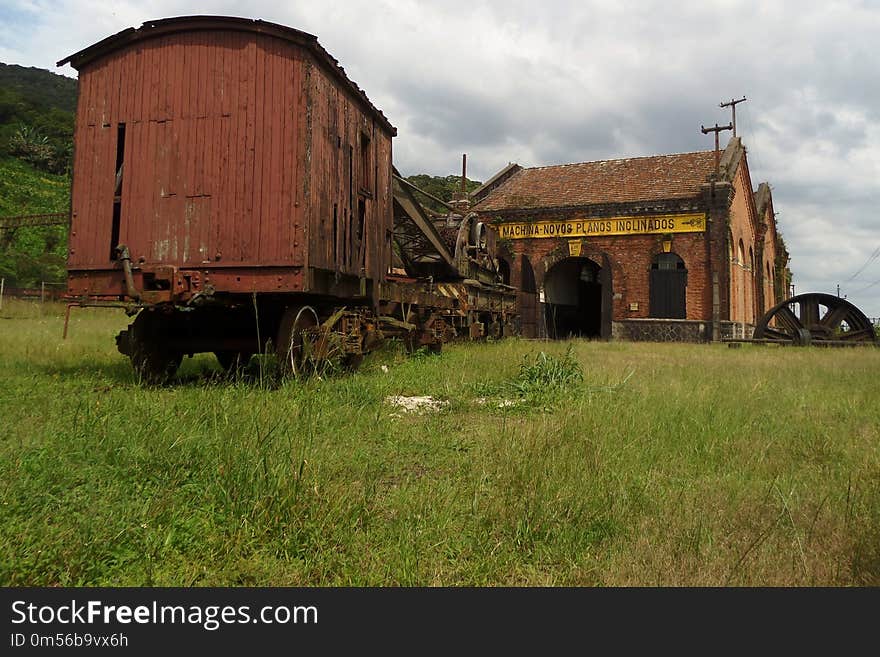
x=676, y=330
x=661, y=330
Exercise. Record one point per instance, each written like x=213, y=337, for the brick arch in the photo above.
x=562, y=252
x=611, y=275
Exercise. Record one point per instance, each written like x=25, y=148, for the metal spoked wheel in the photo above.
x=815, y=318
x=297, y=335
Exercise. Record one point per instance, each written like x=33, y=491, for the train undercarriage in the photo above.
x=307, y=333
x=440, y=289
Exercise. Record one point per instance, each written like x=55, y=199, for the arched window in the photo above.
x=668, y=287
x=527, y=281
x=741, y=254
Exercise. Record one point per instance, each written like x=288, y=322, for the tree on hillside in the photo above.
x=443, y=187
x=36, y=117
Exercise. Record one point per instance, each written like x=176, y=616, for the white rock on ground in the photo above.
x=416, y=404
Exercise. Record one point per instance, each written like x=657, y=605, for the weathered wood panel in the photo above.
x=241, y=149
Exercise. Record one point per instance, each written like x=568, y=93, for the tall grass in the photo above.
x=647, y=465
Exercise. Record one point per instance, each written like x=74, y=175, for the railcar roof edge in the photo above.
x=161, y=27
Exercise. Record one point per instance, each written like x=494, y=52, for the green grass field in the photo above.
x=666, y=465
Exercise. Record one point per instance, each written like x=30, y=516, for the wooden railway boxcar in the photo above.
x=228, y=153
x=235, y=187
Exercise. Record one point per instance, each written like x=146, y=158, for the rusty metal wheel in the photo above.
x=815, y=318
x=296, y=340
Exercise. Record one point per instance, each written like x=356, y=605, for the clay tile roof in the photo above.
x=654, y=178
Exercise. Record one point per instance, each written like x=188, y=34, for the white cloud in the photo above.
x=552, y=82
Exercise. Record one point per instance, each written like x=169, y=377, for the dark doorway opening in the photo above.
x=573, y=299
x=528, y=304
x=668, y=295
x=504, y=271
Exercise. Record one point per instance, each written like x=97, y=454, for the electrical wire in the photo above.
x=870, y=259
x=867, y=287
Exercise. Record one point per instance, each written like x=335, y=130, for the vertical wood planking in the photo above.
x=155, y=80
x=300, y=171
x=144, y=218
x=239, y=152
x=287, y=127
x=279, y=91
x=221, y=188
x=92, y=226
x=79, y=191
x=80, y=142
x=318, y=109
x=245, y=177
x=154, y=231
x=130, y=230
x=86, y=194
x=135, y=87
x=106, y=163
x=259, y=99
x=86, y=227
x=269, y=234
x=246, y=230
x=337, y=182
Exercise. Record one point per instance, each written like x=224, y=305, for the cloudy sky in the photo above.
x=556, y=81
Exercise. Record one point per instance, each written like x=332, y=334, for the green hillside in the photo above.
x=36, y=138
x=26, y=190
x=36, y=116
x=39, y=89
x=29, y=256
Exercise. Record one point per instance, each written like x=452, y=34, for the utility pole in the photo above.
x=838, y=290
x=464, y=174
x=732, y=105
x=716, y=130
x=460, y=200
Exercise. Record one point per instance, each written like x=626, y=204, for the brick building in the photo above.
x=648, y=248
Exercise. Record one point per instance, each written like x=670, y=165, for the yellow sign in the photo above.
x=647, y=225
x=574, y=248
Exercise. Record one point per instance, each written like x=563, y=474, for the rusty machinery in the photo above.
x=815, y=318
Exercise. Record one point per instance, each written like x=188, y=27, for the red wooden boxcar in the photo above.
x=232, y=183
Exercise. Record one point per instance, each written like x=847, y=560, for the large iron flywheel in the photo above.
x=815, y=318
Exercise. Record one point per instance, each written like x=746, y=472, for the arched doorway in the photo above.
x=573, y=298
x=504, y=271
